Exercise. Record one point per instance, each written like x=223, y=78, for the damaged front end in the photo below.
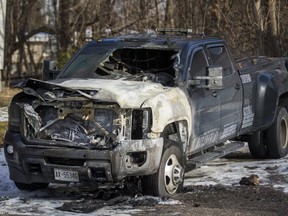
x=64, y=136
x=76, y=123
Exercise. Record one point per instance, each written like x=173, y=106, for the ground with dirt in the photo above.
x=220, y=200
x=213, y=189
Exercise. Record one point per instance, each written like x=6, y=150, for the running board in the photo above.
x=212, y=155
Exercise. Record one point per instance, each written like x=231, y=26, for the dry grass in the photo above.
x=5, y=98
x=3, y=128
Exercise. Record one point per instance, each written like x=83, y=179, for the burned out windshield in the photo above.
x=125, y=63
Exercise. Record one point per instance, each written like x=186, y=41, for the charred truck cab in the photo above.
x=144, y=108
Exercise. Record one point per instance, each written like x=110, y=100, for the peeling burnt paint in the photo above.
x=167, y=107
x=128, y=94
x=126, y=163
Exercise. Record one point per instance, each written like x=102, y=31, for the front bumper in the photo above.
x=36, y=163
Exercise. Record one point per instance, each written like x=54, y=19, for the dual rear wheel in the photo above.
x=272, y=142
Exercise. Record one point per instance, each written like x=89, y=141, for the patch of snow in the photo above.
x=159, y=200
x=228, y=172
x=123, y=211
x=170, y=202
x=3, y=114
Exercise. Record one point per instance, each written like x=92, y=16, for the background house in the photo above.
x=27, y=62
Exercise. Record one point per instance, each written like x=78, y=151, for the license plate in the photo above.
x=66, y=175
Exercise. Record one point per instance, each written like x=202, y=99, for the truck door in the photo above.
x=205, y=104
x=231, y=94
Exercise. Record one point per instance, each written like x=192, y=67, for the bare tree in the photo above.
x=257, y=27
x=19, y=28
x=273, y=48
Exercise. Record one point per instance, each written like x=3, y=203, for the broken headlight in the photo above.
x=141, y=123
x=14, y=115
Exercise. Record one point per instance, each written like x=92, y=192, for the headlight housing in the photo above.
x=141, y=123
x=14, y=114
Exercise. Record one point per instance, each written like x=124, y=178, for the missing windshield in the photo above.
x=140, y=65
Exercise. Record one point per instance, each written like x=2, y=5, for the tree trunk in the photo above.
x=157, y=14
x=168, y=20
x=273, y=48
x=259, y=27
x=64, y=36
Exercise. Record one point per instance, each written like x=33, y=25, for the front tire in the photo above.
x=170, y=176
x=277, y=135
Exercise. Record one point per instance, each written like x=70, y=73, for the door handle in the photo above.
x=214, y=94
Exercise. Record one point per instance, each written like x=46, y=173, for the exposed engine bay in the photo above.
x=72, y=120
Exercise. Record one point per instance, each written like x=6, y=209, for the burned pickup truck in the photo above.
x=144, y=109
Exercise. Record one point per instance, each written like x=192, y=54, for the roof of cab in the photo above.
x=163, y=39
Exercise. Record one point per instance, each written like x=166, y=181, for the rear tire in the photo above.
x=257, y=147
x=31, y=187
x=277, y=135
x=170, y=176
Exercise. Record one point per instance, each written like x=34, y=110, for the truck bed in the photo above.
x=258, y=63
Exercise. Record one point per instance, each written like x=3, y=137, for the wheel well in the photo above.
x=283, y=101
x=178, y=132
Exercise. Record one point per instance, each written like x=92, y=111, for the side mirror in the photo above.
x=216, y=77
x=50, y=71
x=214, y=80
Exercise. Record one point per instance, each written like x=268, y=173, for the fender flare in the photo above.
x=266, y=100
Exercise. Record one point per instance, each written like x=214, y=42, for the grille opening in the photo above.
x=138, y=158
x=74, y=123
x=34, y=168
x=98, y=173
x=65, y=161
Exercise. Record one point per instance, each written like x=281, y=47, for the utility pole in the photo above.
x=3, y=4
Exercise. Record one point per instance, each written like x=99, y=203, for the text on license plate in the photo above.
x=66, y=175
